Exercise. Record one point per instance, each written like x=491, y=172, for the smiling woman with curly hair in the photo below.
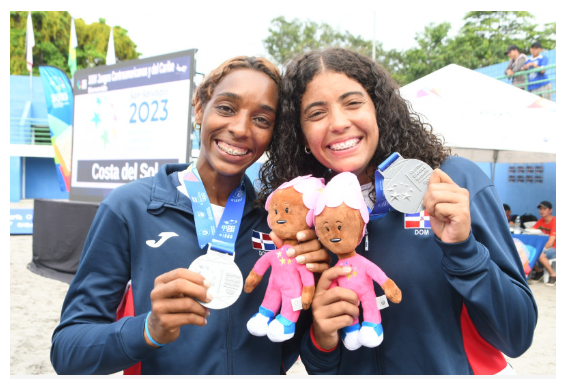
x=465, y=300
x=399, y=128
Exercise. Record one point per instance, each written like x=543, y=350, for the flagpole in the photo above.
x=72, y=61
x=28, y=42
x=29, y=45
x=110, y=57
x=374, y=50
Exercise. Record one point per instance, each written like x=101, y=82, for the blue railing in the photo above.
x=551, y=76
x=29, y=131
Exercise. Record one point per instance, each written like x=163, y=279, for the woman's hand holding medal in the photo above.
x=174, y=304
x=449, y=207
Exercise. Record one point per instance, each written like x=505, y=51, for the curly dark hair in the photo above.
x=400, y=128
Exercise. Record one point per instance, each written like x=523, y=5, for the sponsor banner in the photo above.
x=59, y=100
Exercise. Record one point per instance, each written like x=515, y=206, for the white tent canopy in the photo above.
x=483, y=119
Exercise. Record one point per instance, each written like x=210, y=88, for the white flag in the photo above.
x=29, y=42
x=110, y=59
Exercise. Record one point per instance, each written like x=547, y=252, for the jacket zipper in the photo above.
x=229, y=353
x=379, y=359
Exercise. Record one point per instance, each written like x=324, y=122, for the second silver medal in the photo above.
x=405, y=183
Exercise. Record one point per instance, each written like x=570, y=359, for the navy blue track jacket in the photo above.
x=422, y=334
x=89, y=340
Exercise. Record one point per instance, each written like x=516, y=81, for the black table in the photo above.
x=59, y=233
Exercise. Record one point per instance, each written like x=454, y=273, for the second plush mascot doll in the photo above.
x=340, y=219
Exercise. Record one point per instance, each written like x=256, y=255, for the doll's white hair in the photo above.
x=309, y=187
x=343, y=188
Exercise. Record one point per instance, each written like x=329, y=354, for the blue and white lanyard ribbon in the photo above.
x=382, y=206
x=223, y=237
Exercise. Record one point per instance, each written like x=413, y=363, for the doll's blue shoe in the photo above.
x=371, y=335
x=281, y=329
x=350, y=336
x=259, y=323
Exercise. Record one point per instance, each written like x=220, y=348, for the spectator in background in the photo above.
x=511, y=218
x=546, y=223
x=538, y=60
x=517, y=60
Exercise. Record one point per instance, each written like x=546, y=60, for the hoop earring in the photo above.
x=307, y=150
x=196, y=126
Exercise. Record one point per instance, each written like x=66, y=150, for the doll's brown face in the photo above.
x=339, y=228
x=287, y=213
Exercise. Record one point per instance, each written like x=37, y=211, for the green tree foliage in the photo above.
x=432, y=53
x=51, y=33
x=485, y=37
x=481, y=42
x=290, y=38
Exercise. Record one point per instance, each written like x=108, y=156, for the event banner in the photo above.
x=59, y=100
x=129, y=120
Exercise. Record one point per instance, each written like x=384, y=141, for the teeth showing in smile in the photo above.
x=345, y=145
x=231, y=150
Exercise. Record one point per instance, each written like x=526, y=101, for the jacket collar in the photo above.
x=165, y=194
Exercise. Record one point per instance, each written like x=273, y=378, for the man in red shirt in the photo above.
x=547, y=223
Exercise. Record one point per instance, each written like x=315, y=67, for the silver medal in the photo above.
x=405, y=183
x=223, y=274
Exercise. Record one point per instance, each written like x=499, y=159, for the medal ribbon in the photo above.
x=222, y=239
x=382, y=206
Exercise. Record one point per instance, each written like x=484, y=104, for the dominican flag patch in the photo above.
x=417, y=220
x=262, y=241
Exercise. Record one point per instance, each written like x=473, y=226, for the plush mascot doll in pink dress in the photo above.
x=290, y=208
x=340, y=219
